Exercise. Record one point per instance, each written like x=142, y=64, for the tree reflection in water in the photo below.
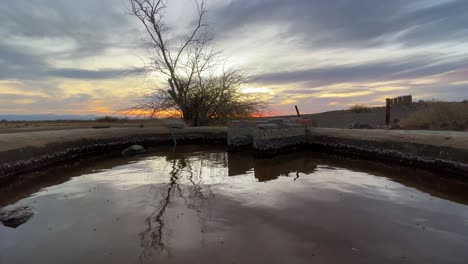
x=186, y=183
x=190, y=176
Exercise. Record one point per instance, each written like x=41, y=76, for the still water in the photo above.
x=204, y=205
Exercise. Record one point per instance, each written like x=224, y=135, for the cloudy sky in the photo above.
x=73, y=57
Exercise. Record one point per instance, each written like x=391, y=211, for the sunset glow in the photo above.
x=77, y=57
x=253, y=90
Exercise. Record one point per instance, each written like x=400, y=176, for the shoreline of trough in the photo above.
x=21, y=153
x=443, y=151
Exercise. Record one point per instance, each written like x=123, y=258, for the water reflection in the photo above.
x=186, y=184
x=264, y=170
x=204, y=205
x=152, y=237
x=187, y=180
x=270, y=169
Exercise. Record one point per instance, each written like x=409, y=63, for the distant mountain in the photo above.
x=46, y=117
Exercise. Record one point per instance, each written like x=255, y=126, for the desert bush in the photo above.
x=200, y=87
x=437, y=115
x=360, y=108
x=111, y=119
x=429, y=101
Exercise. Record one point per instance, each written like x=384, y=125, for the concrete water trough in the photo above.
x=438, y=150
x=267, y=137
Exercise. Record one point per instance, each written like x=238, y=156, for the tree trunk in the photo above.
x=187, y=116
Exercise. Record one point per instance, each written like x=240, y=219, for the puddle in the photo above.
x=204, y=205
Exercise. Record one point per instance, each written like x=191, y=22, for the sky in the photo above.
x=76, y=57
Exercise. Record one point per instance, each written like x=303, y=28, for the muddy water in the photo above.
x=203, y=205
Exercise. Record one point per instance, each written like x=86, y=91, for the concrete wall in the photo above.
x=402, y=100
x=272, y=138
x=440, y=150
x=436, y=150
x=267, y=136
x=240, y=135
x=24, y=152
x=444, y=151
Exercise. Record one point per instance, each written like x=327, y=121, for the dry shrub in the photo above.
x=111, y=119
x=437, y=115
x=360, y=108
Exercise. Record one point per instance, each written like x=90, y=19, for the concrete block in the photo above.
x=240, y=135
x=268, y=126
x=278, y=138
x=277, y=121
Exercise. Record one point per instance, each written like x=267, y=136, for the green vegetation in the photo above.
x=360, y=108
x=438, y=115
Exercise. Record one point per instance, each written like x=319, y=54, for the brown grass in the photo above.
x=437, y=115
x=360, y=108
x=112, y=119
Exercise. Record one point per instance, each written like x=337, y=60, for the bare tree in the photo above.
x=199, y=87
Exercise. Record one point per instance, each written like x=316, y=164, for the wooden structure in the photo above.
x=297, y=111
x=400, y=100
x=388, y=104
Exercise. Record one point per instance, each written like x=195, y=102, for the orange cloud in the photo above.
x=344, y=95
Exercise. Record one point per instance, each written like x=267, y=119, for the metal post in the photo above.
x=387, y=111
x=173, y=136
x=297, y=111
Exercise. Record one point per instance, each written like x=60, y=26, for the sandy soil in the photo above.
x=32, y=126
x=11, y=141
x=376, y=117
x=333, y=119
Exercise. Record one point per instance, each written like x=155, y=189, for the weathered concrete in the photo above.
x=441, y=150
x=240, y=135
x=23, y=152
x=270, y=138
x=173, y=123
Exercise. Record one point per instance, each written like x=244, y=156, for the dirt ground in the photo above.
x=34, y=126
x=19, y=140
x=332, y=119
x=375, y=118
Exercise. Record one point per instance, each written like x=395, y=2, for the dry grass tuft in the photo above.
x=360, y=108
x=437, y=115
x=112, y=119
